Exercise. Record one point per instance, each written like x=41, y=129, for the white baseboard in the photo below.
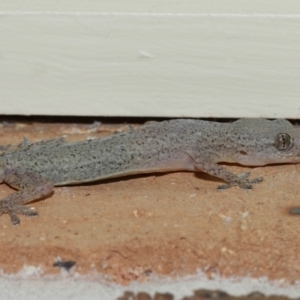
x=155, y=59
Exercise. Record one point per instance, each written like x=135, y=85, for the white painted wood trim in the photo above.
x=155, y=59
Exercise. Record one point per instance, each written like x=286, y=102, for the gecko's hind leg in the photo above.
x=241, y=181
x=31, y=186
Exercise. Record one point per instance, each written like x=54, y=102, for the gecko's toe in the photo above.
x=20, y=209
x=13, y=215
x=256, y=180
x=243, y=185
x=24, y=210
x=224, y=187
x=244, y=176
x=15, y=219
x=243, y=182
x=246, y=186
x=29, y=212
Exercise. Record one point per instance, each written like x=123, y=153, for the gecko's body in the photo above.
x=173, y=145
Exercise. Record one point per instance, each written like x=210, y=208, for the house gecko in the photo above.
x=182, y=144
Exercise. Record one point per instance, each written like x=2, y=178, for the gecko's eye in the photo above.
x=283, y=141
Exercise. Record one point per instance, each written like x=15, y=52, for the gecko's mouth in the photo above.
x=292, y=154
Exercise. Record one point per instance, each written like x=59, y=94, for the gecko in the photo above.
x=34, y=169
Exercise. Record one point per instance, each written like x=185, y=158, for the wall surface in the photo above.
x=150, y=58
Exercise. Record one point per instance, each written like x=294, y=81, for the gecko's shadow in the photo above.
x=206, y=177
x=200, y=175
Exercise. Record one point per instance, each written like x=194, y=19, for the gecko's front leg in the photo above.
x=31, y=186
x=242, y=181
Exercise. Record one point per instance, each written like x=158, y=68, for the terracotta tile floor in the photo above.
x=172, y=224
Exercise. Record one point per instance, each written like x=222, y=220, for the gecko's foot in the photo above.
x=24, y=210
x=20, y=209
x=243, y=182
x=14, y=219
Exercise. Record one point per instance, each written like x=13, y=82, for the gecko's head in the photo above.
x=271, y=142
x=286, y=144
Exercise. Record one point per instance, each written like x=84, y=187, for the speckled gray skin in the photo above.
x=34, y=169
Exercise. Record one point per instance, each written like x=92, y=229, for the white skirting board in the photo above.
x=150, y=58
